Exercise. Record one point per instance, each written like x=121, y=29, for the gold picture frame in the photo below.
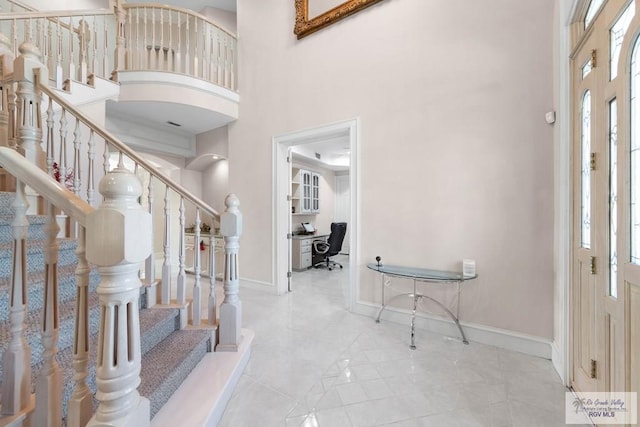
x=305, y=26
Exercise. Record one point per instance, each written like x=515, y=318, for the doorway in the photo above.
x=605, y=285
x=282, y=146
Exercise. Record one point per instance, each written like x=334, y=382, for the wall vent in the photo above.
x=174, y=123
x=318, y=156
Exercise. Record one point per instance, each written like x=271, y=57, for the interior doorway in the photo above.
x=282, y=146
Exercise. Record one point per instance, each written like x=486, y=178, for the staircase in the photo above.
x=73, y=350
x=168, y=353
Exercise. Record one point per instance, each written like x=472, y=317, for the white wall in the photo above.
x=456, y=159
x=223, y=18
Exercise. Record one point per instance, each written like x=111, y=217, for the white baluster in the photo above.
x=59, y=71
x=119, y=355
x=161, y=57
x=80, y=406
x=145, y=46
x=50, y=139
x=62, y=160
x=165, y=297
x=150, y=263
x=232, y=65
x=197, y=289
x=196, y=47
x=72, y=66
x=91, y=153
x=136, y=46
x=212, y=55
x=121, y=42
x=182, y=276
x=82, y=46
x=152, y=50
x=106, y=70
x=187, y=36
x=105, y=158
x=231, y=308
x=16, y=360
x=49, y=384
x=212, y=309
x=94, y=48
x=170, y=66
x=220, y=61
x=77, y=134
x=178, y=54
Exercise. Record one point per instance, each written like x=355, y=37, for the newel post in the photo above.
x=121, y=50
x=231, y=308
x=28, y=115
x=117, y=242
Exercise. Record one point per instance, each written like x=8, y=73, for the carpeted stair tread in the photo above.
x=156, y=324
x=36, y=229
x=35, y=255
x=166, y=366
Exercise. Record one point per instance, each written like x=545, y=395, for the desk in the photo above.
x=301, y=250
x=426, y=276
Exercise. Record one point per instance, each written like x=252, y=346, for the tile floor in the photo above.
x=315, y=364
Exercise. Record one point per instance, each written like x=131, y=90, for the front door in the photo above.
x=605, y=270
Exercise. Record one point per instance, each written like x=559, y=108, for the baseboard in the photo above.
x=502, y=338
x=202, y=398
x=257, y=285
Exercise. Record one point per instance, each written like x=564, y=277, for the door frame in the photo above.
x=282, y=188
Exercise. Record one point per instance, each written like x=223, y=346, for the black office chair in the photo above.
x=332, y=246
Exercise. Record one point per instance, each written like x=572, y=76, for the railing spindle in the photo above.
x=196, y=47
x=91, y=154
x=212, y=308
x=72, y=67
x=82, y=47
x=59, y=69
x=150, y=263
x=178, y=55
x=187, y=37
x=81, y=401
x=16, y=360
x=165, y=296
x=181, y=284
x=170, y=66
x=197, y=290
x=62, y=160
x=152, y=49
x=50, y=138
x=77, y=135
x=49, y=383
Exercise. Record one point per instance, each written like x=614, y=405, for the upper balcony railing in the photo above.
x=76, y=44
x=166, y=38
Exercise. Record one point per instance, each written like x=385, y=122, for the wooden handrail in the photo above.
x=181, y=10
x=46, y=186
x=54, y=14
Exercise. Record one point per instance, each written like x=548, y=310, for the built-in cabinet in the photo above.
x=305, y=191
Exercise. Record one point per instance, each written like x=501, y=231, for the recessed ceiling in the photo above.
x=332, y=153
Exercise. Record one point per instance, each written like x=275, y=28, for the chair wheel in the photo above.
x=330, y=268
x=340, y=266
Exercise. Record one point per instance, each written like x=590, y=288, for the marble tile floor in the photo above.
x=315, y=364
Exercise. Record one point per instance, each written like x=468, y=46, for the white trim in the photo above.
x=174, y=79
x=510, y=340
x=281, y=190
x=257, y=285
x=562, y=212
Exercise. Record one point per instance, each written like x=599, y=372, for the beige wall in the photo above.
x=456, y=159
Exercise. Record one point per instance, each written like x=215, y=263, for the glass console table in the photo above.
x=426, y=276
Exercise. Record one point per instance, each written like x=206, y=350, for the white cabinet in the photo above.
x=302, y=251
x=305, y=191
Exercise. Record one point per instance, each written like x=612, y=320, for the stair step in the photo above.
x=166, y=366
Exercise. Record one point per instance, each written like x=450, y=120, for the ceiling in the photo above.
x=333, y=152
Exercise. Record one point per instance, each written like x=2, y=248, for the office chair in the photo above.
x=332, y=246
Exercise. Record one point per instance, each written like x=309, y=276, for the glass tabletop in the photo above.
x=419, y=273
